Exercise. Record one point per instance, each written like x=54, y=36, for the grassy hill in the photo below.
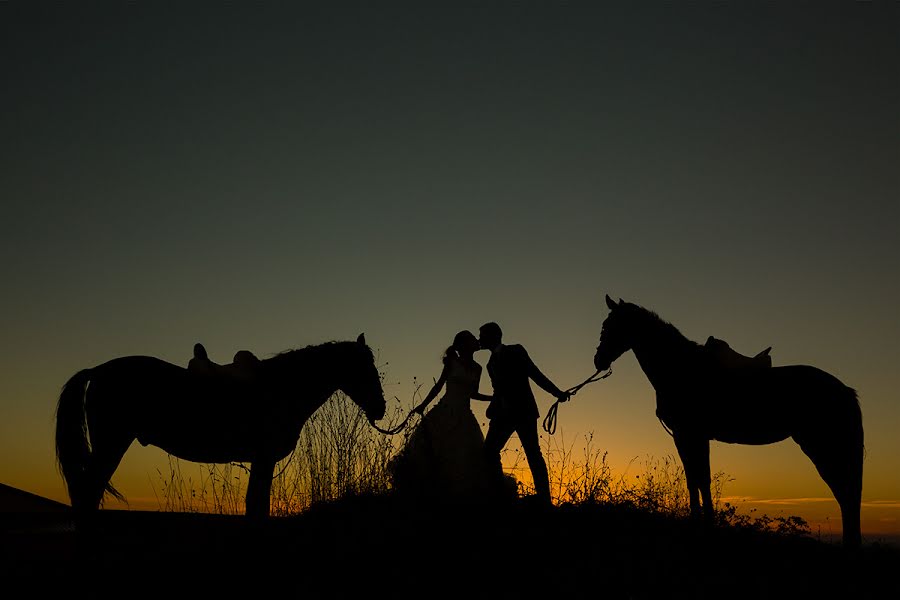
x=376, y=546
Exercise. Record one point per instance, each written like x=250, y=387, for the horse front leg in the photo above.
x=259, y=488
x=694, y=454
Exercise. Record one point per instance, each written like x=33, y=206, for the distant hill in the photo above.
x=14, y=500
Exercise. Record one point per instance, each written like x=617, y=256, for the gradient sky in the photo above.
x=265, y=177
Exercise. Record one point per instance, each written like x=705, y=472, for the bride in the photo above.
x=443, y=458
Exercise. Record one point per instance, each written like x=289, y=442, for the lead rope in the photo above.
x=402, y=425
x=396, y=429
x=549, y=423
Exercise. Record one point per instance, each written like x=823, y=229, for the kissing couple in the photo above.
x=447, y=457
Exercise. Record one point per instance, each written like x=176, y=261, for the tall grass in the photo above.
x=218, y=488
x=340, y=455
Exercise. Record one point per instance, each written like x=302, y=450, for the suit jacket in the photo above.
x=511, y=371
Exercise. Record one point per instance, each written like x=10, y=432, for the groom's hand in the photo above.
x=564, y=396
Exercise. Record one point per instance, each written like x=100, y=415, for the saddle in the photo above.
x=729, y=358
x=244, y=365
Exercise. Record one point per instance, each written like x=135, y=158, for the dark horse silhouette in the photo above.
x=203, y=418
x=699, y=399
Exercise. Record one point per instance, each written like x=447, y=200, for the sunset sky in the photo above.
x=264, y=177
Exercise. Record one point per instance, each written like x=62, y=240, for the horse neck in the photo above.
x=312, y=373
x=662, y=351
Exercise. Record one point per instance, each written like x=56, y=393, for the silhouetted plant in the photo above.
x=220, y=488
x=589, y=479
x=789, y=526
x=340, y=455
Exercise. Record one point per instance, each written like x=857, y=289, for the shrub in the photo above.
x=340, y=455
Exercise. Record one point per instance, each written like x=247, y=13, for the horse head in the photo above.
x=615, y=337
x=363, y=381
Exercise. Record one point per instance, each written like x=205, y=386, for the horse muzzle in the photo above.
x=602, y=363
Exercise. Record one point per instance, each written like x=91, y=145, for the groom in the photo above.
x=513, y=408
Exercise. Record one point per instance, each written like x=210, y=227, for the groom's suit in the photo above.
x=514, y=410
x=510, y=370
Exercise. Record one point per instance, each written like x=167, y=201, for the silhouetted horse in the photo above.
x=700, y=400
x=203, y=418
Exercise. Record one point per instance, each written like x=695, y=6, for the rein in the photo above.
x=397, y=428
x=549, y=423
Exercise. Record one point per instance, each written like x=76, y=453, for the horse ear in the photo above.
x=610, y=302
x=362, y=338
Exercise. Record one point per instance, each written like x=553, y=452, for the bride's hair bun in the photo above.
x=450, y=353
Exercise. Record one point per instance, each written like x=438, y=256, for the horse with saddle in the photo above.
x=243, y=367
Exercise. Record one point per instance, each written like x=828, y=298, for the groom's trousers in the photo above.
x=499, y=431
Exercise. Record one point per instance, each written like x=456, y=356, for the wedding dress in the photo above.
x=442, y=459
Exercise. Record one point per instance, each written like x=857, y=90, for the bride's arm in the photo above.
x=433, y=392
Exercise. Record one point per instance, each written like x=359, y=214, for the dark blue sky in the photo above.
x=271, y=176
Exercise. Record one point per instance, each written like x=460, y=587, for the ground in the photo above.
x=379, y=547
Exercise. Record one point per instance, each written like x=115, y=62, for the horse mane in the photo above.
x=648, y=319
x=310, y=352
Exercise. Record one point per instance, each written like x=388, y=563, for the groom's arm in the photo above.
x=539, y=378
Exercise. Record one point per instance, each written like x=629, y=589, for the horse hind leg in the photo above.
x=106, y=454
x=840, y=466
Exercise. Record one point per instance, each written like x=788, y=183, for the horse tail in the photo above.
x=72, y=447
x=851, y=522
x=859, y=444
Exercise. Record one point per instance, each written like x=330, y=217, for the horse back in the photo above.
x=765, y=405
x=165, y=384
x=138, y=367
x=802, y=384
x=195, y=416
